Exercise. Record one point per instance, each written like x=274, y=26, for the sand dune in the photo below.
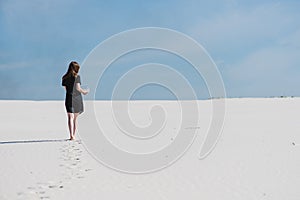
x=257, y=156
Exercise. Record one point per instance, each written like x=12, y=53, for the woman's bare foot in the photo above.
x=72, y=138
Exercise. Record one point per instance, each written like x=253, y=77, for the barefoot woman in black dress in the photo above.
x=73, y=102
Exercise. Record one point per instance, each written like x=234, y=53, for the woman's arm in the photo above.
x=79, y=89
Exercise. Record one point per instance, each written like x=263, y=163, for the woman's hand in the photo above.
x=85, y=92
x=78, y=88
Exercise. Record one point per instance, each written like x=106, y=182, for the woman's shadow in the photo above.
x=32, y=141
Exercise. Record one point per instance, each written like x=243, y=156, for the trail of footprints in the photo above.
x=71, y=168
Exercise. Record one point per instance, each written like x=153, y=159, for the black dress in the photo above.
x=73, y=101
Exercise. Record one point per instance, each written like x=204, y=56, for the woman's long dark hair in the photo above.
x=72, y=70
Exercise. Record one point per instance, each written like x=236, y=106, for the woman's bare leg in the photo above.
x=71, y=124
x=75, y=123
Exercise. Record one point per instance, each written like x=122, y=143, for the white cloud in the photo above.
x=259, y=48
x=265, y=63
x=271, y=61
x=292, y=40
x=244, y=28
x=269, y=71
x=20, y=64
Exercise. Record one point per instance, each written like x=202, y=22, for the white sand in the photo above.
x=257, y=156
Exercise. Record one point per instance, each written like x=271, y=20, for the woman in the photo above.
x=73, y=102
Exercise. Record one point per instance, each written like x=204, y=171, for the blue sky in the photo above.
x=256, y=45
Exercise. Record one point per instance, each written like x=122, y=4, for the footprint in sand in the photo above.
x=71, y=165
